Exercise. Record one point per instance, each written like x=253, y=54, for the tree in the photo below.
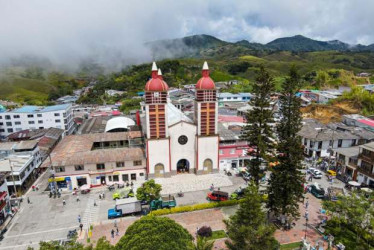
x=103, y=244
x=155, y=233
x=352, y=220
x=258, y=131
x=286, y=181
x=202, y=243
x=248, y=228
x=149, y=191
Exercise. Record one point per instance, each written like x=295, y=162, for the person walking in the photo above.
x=307, y=203
x=79, y=218
x=112, y=233
x=81, y=226
x=117, y=232
x=115, y=223
x=28, y=200
x=78, y=198
x=100, y=196
x=95, y=203
x=103, y=195
x=63, y=202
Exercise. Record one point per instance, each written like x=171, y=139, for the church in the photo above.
x=176, y=144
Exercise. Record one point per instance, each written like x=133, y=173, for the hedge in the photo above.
x=196, y=207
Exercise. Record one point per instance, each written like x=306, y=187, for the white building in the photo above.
x=240, y=97
x=366, y=164
x=175, y=144
x=34, y=117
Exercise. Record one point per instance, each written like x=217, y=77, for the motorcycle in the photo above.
x=228, y=173
x=72, y=233
x=180, y=194
x=111, y=187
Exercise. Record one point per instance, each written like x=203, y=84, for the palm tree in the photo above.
x=204, y=244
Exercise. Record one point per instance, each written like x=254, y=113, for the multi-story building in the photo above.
x=366, y=164
x=97, y=159
x=4, y=199
x=19, y=160
x=34, y=117
x=229, y=97
x=319, y=140
x=346, y=163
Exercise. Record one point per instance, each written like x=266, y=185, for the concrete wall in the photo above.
x=158, y=152
x=207, y=148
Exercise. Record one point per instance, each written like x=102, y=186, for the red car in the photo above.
x=218, y=196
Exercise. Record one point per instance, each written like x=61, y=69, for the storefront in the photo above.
x=81, y=180
x=63, y=183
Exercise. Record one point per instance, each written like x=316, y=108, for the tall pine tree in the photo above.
x=248, y=228
x=258, y=131
x=286, y=181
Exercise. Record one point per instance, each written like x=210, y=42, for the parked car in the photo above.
x=310, y=170
x=126, y=193
x=317, y=191
x=317, y=174
x=166, y=201
x=217, y=196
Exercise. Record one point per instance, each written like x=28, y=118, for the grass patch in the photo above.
x=219, y=234
x=291, y=246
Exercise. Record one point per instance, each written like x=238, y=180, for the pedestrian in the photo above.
x=79, y=218
x=28, y=200
x=115, y=223
x=103, y=195
x=117, y=232
x=63, y=202
x=100, y=196
x=78, y=198
x=81, y=226
x=95, y=203
x=307, y=204
x=112, y=233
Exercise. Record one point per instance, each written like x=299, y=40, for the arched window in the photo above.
x=159, y=170
x=208, y=166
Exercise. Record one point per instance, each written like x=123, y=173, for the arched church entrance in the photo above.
x=208, y=166
x=159, y=170
x=183, y=166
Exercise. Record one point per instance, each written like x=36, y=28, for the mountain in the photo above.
x=210, y=46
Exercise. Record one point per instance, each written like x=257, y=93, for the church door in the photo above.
x=159, y=170
x=208, y=166
x=183, y=166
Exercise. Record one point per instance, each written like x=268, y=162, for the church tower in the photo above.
x=206, y=116
x=158, y=149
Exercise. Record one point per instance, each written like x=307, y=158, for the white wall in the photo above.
x=179, y=151
x=207, y=149
x=158, y=152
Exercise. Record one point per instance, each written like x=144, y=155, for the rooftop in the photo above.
x=368, y=146
x=175, y=115
x=38, y=109
x=77, y=149
x=316, y=131
x=349, y=152
x=18, y=162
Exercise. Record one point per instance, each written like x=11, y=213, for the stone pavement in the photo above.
x=192, y=182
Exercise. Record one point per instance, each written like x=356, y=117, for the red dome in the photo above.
x=156, y=84
x=205, y=82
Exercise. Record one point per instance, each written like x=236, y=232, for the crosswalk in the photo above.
x=91, y=214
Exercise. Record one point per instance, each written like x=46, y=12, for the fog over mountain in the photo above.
x=114, y=32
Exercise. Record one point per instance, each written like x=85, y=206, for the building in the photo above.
x=20, y=160
x=112, y=92
x=232, y=150
x=4, y=199
x=34, y=117
x=318, y=139
x=358, y=121
x=97, y=159
x=346, y=163
x=240, y=97
x=176, y=144
x=365, y=168
x=101, y=124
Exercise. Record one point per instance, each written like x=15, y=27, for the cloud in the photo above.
x=113, y=32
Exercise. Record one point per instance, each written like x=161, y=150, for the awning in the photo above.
x=57, y=179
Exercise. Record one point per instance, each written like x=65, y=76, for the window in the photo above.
x=79, y=167
x=182, y=139
x=30, y=116
x=8, y=123
x=120, y=164
x=10, y=130
x=2, y=130
x=39, y=115
x=110, y=178
x=57, y=121
x=340, y=142
x=17, y=123
x=232, y=151
x=353, y=142
x=137, y=163
x=319, y=145
x=125, y=177
x=16, y=116
x=57, y=114
x=60, y=169
x=115, y=177
x=40, y=121
x=221, y=152
x=305, y=141
x=331, y=143
x=7, y=117
x=1, y=123
x=311, y=144
x=100, y=166
x=31, y=122
x=133, y=177
x=141, y=174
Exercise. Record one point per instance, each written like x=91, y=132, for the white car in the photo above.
x=311, y=170
x=317, y=174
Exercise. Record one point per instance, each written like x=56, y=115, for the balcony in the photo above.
x=368, y=158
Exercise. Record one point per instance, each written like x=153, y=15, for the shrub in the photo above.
x=204, y=231
x=196, y=207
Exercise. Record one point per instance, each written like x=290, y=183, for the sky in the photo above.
x=115, y=30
